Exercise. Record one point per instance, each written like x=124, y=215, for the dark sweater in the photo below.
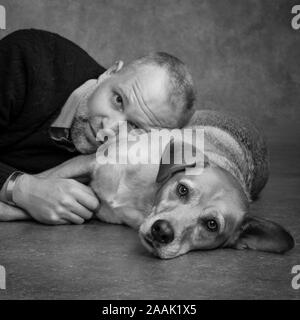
x=38, y=72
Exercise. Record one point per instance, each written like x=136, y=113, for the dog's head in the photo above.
x=205, y=211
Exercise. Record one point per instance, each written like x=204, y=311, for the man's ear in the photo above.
x=264, y=235
x=173, y=161
x=116, y=67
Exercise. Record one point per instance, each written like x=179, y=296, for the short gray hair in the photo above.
x=182, y=93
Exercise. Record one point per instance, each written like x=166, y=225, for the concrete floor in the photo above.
x=102, y=261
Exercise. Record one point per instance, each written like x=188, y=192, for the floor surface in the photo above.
x=102, y=261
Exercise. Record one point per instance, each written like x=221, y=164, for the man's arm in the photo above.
x=54, y=196
x=25, y=58
x=78, y=168
x=11, y=213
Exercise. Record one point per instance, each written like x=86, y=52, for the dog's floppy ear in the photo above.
x=168, y=164
x=264, y=235
x=173, y=160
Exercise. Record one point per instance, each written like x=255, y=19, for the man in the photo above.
x=54, y=99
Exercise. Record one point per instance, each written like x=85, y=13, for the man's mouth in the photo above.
x=93, y=130
x=97, y=139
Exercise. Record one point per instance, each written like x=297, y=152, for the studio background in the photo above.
x=244, y=58
x=243, y=55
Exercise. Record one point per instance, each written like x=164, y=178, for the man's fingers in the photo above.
x=59, y=222
x=81, y=211
x=87, y=198
x=89, y=202
x=73, y=218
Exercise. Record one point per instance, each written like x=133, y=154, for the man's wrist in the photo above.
x=7, y=192
x=19, y=193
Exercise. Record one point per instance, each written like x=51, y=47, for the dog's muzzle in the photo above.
x=162, y=232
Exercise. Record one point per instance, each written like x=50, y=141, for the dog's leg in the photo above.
x=11, y=213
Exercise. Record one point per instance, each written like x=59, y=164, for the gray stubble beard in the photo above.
x=78, y=128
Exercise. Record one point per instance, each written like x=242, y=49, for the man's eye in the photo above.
x=118, y=100
x=133, y=125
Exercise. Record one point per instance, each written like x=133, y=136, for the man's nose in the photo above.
x=116, y=124
x=111, y=123
x=162, y=232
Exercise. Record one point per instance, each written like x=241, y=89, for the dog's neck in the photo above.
x=224, y=151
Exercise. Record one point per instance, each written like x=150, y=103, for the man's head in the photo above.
x=154, y=91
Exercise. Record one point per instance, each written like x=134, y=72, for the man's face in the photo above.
x=136, y=94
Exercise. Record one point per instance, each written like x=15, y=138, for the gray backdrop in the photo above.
x=244, y=55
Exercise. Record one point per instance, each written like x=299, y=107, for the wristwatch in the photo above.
x=12, y=179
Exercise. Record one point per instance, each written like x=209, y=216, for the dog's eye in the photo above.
x=182, y=190
x=212, y=225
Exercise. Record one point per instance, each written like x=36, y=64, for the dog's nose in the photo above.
x=162, y=231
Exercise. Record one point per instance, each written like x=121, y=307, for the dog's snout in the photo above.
x=162, y=232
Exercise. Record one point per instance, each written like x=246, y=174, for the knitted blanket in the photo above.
x=236, y=146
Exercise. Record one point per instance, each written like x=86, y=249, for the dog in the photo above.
x=176, y=212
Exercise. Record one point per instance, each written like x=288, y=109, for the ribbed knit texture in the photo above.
x=253, y=163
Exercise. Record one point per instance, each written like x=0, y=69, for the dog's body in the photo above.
x=146, y=197
x=177, y=211
x=127, y=191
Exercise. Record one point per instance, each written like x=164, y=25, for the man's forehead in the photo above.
x=152, y=80
x=147, y=89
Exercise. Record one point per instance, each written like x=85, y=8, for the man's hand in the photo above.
x=53, y=196
x=52, y=200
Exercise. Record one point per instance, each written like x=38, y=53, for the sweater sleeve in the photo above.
x=13, y=80
x=5, y=172
x=12, y=91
